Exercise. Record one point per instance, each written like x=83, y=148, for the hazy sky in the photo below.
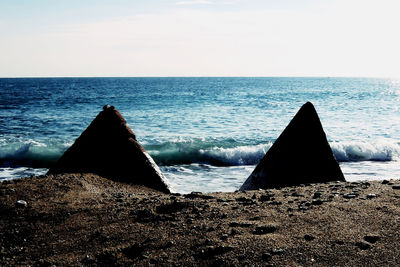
x=199, y=38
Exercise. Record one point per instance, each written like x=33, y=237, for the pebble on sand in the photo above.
x=21, y=204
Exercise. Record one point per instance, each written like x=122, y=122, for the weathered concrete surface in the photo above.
x=108, y=147
x=300, y=155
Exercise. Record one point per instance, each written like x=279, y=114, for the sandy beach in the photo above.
x=84, y=219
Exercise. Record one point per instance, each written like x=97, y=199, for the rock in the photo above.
x=302, y=208
x=363, y=245
x=385, y=182
x=133, y=251
x=371, y=238
x=245, y=201
x=198, y=195
x=266, y=229
x=45, y=263
x=396, y=187
x=240, y=224
x=317, y=202
x=277, y=251
x=212, y=251
x=224, y=237
x=144, y=215
x=365, y=184
x=173, y=207
x=308, y=237
x=317, y=195
x=170, y=244
x=106, y=258
x=265, y=197
x=234, y=232
x=349, y=196
x=266, y=256
x=300, y=155
x=108, y=147
x=369, y=196
x=21, y=204
x=295, y=194
x=276, y=203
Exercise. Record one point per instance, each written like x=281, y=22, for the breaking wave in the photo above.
x=180, y=153
x=213, y=152
x=365, y=151
x=30, y=154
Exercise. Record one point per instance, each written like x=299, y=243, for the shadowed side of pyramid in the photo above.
x=301, y=154
x=108, y=147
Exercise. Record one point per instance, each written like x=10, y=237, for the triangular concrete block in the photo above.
x=300, y=155
x=108, y=147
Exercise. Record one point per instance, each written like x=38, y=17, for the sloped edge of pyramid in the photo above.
x=163, y=179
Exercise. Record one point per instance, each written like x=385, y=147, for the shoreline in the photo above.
x=350, y=172
x=84, y=219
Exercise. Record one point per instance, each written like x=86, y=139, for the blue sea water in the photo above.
x=206, y=134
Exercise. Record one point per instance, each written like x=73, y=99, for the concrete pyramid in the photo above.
x=108, y=147
x=301, y=154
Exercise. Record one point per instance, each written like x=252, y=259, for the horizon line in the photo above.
x=199, y=76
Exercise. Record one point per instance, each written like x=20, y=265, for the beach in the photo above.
x=84, y=219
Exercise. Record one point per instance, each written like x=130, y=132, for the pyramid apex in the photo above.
x=308, y=105
x=108, y=107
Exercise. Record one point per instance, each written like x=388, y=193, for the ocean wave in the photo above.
x=365, y=151
x=226, y=152
x=30, y=154
x=241, y=155
x=252, y=154
x=217, y=156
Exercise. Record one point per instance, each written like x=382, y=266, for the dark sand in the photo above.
x=80, y=219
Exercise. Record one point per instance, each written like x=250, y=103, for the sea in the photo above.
x=207, y=134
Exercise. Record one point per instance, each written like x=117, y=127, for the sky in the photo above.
x=121, y=38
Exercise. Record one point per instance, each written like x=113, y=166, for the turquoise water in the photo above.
x=207, y=134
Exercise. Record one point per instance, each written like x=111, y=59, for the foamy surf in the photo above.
x=218, y=155
x=365, y=151
x=211, y=152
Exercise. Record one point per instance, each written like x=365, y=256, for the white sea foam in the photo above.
x=241, y=155
x=213, y=153
x=30, y=152
x=14, y=173
x=380, y=150
x=343, y=151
